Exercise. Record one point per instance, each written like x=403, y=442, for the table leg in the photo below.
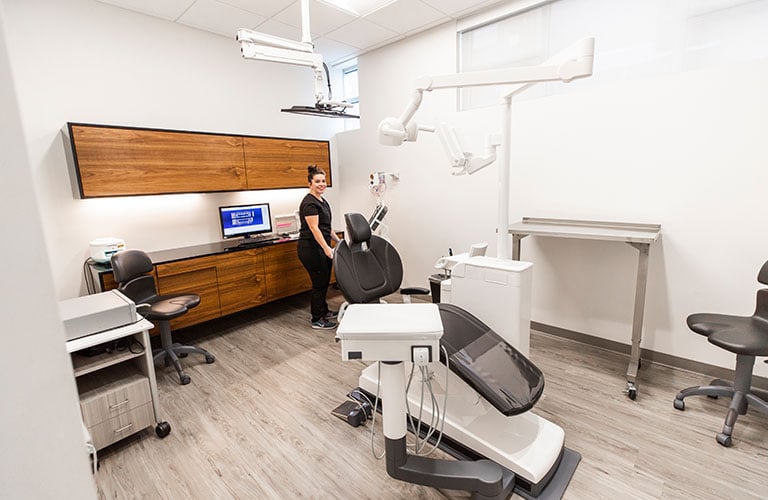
x=637, y=319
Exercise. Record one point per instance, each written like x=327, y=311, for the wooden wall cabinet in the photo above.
x=114, y=161
x=122, y=161
x=282, y=163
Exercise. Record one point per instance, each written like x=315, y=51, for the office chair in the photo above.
x=747, y=337
x=131, y=269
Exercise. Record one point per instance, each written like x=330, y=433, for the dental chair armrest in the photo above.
x=414, y=290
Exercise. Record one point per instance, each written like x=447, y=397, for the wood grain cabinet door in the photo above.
x=115, y=161
x=198, y=276
x=284, y=271
x=282, y=163
x=241, y=280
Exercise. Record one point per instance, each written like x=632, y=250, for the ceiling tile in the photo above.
x=168, y=9
x=362, y=34
x=276, y=28
x=407, y=15
x=334, y=52
x=217, y=17
x=454, y=7
x=266, y=8
x=322, y=18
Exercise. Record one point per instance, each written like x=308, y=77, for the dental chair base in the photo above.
x=527, y=445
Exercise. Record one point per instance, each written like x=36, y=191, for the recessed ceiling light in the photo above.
x=359, y=8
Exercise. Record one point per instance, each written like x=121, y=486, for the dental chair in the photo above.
x=491, y=386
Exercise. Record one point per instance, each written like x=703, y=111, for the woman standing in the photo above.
x=314, y=246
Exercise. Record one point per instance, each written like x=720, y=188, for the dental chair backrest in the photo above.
x=367, y=266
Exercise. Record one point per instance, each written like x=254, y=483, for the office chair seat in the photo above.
x=132, y=270
x=168, y=308
x=745, y=336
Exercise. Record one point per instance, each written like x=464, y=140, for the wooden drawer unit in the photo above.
x=272, y=163
x=284, y=272
x=191, y=276
x=109, y=401
x=122, y=425
x=241, y=280
x=119, y=161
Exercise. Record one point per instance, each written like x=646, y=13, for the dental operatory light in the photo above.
x=265, y=47
x=574, y=62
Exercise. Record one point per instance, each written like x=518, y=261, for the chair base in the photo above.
x=172, y=351
x=742, y=395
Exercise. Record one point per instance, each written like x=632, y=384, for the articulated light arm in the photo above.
x=574, y=62
x=265, y=47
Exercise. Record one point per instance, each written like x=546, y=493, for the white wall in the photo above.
x=84, y=61
x=43, y=451
x=682, y=150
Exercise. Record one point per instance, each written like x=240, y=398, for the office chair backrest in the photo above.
x=368, y=267
x=131, y=269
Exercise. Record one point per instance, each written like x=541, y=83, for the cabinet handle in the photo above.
x=118, y=405
x=124, y=428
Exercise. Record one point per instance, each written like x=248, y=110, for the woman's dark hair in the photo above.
x=314, y=170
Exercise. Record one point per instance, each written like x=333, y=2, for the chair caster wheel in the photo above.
x=184, y=379
x=182, y=354
x=712, y=396
x=163, y=429
x=209, y=358
x=679, y=404
x=725, y=440
x=631, y=391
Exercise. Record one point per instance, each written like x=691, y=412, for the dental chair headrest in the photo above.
x=357, y=228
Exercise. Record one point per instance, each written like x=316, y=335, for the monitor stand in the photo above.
x=256, y=240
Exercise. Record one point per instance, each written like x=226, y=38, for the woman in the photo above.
x=314, y=249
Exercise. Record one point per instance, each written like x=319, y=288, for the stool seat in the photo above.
x=169, y=307
x=740, y=340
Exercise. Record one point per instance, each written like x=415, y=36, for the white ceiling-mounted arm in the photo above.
x=574, y=62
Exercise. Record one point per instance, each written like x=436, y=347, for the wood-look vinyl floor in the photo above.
x=256, y=424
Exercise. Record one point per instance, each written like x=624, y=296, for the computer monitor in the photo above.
x=245, y=220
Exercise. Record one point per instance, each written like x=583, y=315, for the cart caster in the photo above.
x=679, y=404
x=631, y=391
x=184, y=379
x=209, y=358
x=163, y=429
x=725, y=440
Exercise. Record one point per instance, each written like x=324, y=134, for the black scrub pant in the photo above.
x=318, y=265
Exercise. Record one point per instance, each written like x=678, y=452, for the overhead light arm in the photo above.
x=265, y=47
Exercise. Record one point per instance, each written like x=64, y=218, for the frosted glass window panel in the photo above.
x=519, y=40
x=634, y=39
x=727, y=32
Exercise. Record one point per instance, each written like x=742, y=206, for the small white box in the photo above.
x=95, y=313
x=389, y=332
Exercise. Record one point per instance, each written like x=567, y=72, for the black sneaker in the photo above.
x=331, y=315
x=323, y=324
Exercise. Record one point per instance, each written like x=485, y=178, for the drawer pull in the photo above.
x=124, y=428
x=118, y=405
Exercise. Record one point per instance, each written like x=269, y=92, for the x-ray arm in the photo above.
x=463, y=162
x=574, y=62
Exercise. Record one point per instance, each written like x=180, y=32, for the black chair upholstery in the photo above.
x=369, y=268
x=745, y=336
x=132, y=270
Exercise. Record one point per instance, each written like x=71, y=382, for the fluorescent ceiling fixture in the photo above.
x=358, y=7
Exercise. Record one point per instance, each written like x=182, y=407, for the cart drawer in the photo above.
x=115, y=399
x=121, y=426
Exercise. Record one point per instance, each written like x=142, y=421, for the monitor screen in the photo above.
x=245, y=220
